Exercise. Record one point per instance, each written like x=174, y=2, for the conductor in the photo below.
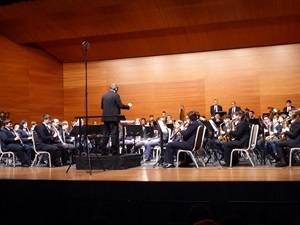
x=111, y=106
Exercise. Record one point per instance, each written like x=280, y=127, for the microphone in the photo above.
x=85, y=44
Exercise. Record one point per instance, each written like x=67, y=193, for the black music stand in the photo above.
x=134, y=131
x=259, y=121
x=213, y=132
x=149, y=131
x=78, y=131
x=221, y=113
x=162, y=129
x=170, y=125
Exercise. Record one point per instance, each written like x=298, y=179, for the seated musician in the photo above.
x=240, y=138
x=11, y=141
x=134, y=143
x=155, y=141
x=188, y=139
x=46, y=140
x=268, y=130
x=275, y=136
x=292, y=139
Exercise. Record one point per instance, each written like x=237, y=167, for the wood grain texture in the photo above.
x=157, y=174
x=33, y=83
x=255, y=78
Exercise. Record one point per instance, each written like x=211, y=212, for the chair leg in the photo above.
x=250, y=159
x=193, y=158
x=231, y=155
x=49, y=157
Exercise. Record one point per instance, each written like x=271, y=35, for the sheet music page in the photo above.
x=162, y=126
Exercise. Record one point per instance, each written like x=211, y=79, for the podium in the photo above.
x=85, y=130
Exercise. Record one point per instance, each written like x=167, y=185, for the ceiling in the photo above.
x=118, y=29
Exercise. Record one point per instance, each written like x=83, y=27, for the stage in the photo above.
x=148, y=195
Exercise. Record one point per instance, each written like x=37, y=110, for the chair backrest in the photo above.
x=253, y=136
x=0, y=145
x=170, y=134
x=34, y=140
x=199, y=138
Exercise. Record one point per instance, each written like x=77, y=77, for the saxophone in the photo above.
x=285, y=124
x=224, y=137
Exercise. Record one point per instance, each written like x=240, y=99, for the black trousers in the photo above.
x=111, y=129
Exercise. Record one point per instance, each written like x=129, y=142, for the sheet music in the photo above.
x=213, y=125
x=162, y=126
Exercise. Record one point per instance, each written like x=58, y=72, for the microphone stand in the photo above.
x=85, y=47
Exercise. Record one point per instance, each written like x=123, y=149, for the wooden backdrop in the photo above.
x=34, y=83
x=31, y=83
x=255, y=78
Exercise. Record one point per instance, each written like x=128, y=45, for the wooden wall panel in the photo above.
x=255, y=78
x=31, y=83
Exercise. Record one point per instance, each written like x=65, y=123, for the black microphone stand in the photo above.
x=85, y=47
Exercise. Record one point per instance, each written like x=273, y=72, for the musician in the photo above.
x=111, y=105
x=176, y=134
x=268, y=129
x=234, y=108
x=188, y=139
x=25, y=133
x=215, y=108
x=156, y=141
x=240, y=137
x=67, y=148
x=151, y=121
x=288, y=106
x=46, y=140
x=11, y=141
x=275, y=136
x=293, y=138
x=134, y=143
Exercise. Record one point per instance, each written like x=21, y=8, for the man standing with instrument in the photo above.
x=111, y=105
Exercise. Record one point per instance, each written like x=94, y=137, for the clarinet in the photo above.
x=18, y=135
x=58, y=134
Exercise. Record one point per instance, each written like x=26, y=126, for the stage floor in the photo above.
x=147, y=172
x=129, y=196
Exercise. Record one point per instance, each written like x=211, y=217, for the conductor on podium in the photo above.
x=111, y=106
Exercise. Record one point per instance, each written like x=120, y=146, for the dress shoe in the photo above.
x=25, y=165
x=280, y=164
x=147, y=160
x=169, y=166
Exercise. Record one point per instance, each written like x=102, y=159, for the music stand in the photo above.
x=149, y=131
x=163, y=129
x=221, y=113
x=262, y=126
x=134, y=131
x=211, y=126
x=86, y=130
x=170, y=125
